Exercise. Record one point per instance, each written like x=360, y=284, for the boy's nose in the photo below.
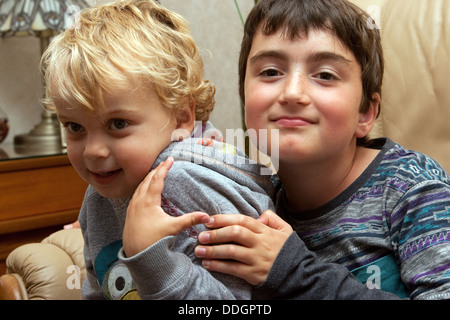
x=295, y=90
x=95, y=148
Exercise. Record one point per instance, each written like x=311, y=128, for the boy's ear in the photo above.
x=186, y=116
x=367, y=120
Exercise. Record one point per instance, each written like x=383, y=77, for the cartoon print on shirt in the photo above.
x=118, y=283
x=113, y=276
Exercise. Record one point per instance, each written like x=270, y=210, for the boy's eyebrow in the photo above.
x=327, y=56
x=313, y=57
x=61, y=118
x=268, y=54
x=118, y=113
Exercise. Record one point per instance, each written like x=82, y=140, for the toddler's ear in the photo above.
x=186, y=116
x=367, y=120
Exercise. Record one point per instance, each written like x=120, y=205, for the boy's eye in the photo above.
x=270, y=73
x=74, y=127
x=326, y=76
x=118, y=124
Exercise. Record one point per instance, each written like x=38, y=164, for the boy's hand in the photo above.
x=242, y=246
x=146, y=221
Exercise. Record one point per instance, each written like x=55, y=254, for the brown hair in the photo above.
x=353, y=26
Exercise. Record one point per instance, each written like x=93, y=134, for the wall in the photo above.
x=215, y=25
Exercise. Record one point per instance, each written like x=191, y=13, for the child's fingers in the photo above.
x=153, y=184
x=237, y=269
x=272, y=220
x=161, y=171
x=230, y=234
x=156, y=184
x=188, y=220
x=142, y=188
x=225, y=252
x=226, y=220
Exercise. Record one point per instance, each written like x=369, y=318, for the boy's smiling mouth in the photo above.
x=105, y=177
x=106, y=173
x=286, y=121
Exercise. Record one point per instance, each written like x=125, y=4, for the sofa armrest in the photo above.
x=12, y=287
x=71, y=241
x=53, y=269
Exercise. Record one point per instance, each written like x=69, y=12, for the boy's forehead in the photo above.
x=311, y=43
x=103, y=101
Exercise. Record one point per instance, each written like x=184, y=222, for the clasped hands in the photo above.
x=236, y=244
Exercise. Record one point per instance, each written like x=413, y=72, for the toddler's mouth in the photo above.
x=105, y=177
x=105, y=174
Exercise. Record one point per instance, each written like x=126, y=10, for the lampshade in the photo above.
x=44, y=19
x=31, y=17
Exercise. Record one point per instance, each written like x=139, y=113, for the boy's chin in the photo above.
x=113, y=194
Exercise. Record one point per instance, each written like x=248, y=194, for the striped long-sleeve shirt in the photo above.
x=390, y=228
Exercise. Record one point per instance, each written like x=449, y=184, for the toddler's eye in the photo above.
x=118, y=124
x=74, y=127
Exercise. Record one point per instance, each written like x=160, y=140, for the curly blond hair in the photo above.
x=120, y=43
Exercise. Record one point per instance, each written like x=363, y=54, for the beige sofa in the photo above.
x=50, y=270
x=415, y=107
x=415, y=113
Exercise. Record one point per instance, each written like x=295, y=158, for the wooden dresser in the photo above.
x=38, y=195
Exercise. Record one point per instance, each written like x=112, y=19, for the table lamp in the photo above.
x=44, y=19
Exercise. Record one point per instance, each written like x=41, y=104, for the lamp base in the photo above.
x=45, y=138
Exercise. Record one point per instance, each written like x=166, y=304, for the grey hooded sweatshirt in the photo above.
x=207, y=175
